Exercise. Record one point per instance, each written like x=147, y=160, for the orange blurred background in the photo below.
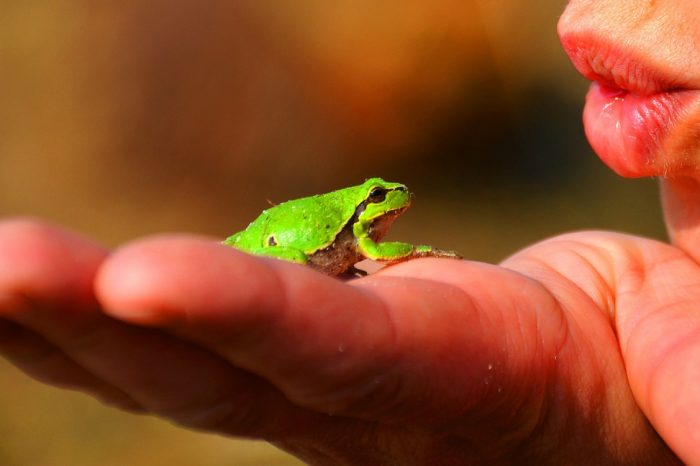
x=128, y=118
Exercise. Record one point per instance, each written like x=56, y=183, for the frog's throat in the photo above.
x=380, y=226
x=362, y=227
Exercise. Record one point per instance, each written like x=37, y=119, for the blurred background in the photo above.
x=123, y=119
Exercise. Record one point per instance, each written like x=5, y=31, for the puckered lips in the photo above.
x=633, y=109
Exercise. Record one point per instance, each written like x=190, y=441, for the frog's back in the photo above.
x=307, y=224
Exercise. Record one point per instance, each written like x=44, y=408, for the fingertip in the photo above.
x=139, y=279
x=170, y=279
x=46, y=262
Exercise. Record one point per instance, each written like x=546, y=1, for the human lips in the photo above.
x=632, y=108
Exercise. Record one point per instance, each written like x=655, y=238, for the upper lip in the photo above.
x=615, y=67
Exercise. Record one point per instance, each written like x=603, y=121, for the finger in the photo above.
x=41, y=360
x=30, y=265
x=46, y=277
x=230, y=300
x=362, y=349
x=38, y=259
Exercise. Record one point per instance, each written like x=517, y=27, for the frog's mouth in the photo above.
x=389, y=213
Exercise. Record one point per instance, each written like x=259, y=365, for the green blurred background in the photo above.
x=123, y=119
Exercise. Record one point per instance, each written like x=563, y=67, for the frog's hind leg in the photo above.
x=353, y=272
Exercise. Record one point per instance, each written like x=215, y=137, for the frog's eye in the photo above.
x=377, y=194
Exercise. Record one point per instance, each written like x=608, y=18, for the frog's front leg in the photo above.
x=397, y=251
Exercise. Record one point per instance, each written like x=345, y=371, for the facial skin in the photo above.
x=582, y=349
x=642, y=114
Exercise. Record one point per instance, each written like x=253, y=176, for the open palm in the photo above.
x=576, y=350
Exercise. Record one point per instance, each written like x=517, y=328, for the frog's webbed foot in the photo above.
x=429, y=251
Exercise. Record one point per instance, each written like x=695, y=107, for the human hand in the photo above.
x=548, y=358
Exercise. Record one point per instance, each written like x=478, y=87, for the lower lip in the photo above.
x=628, y=131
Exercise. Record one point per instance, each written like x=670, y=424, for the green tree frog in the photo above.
x=332, y=232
